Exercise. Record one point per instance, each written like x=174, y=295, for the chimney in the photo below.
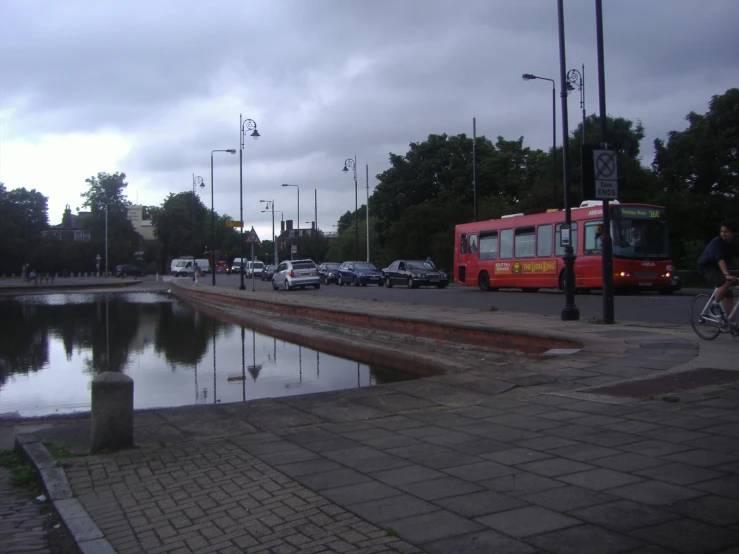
x=289, y=224
x=282, y=227
x=313, y=225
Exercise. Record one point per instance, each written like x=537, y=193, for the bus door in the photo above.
x=590, y=261
x=466, y=269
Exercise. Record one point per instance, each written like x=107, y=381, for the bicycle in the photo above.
x=710, y=321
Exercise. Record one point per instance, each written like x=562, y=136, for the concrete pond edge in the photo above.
x=86, y=534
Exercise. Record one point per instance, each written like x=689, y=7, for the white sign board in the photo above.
x=605, y=164
x=606, y=190
x=294, y=249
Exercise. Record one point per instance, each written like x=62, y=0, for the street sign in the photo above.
x=606, y=190
x=231, y=223
x=294, y=249
x=252, y=238
x=606, y=174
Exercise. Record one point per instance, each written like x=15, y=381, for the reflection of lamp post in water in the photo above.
x=243, y=367
x=107, y=335
x=214, y=361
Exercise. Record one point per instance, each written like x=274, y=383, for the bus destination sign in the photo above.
x=641, y=213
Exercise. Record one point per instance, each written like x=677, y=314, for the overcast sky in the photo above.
x=150, y=88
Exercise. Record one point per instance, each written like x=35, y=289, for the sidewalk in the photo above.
x=626, y=443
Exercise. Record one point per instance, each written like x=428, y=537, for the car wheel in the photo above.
x=340, y=281
x=274, y=285
x=318, y=286
x=287, y=285
x=388, y=284
x=410, y=282
x=356, y=281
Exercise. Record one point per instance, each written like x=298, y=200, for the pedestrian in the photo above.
x=430, y=263
x=32, y=277
x=195, y=271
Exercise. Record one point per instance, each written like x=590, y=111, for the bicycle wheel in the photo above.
x=705, y=326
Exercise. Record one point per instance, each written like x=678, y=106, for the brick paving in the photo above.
x=212, y=496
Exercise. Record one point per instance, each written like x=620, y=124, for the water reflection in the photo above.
x=52, y=346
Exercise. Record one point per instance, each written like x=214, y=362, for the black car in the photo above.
x=126, y=270
x=414, y=274
x=268, y=272
x=329, y=272
x=359, y=273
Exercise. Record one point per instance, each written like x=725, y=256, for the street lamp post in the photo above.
x=297, y=220
x=366, y=212
x=576, y=80
x=195, y=180
x=213, y=215
x=244, y=125
x=530, y=77
x=270, y=205
x=353, y=164
x=106, y=240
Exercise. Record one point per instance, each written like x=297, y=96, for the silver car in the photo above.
x=296, y=273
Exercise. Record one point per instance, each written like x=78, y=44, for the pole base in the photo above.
x=242, y=287
x=570, y=313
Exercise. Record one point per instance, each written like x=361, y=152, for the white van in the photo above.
x=238, y=265
x=254, y=269
x=204, y=266
x=182, y=267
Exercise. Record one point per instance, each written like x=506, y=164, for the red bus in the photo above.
x=524, y=251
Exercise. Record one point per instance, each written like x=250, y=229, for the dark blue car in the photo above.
x=359, y=273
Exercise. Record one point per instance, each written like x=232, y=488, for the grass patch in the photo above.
x=391, y=532
x=24, y=474
x=59, y=452
x=671, y=399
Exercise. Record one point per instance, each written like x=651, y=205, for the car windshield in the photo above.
x=258, y=265
x=417, y=265
x=303, y=265
x=332, y=266
x=364, y=265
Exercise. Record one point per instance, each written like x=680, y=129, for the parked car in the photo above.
x=125, y=270
x=329, y=272
x=268, y=272
x=221, y=267
x=254, y=269
x=414, y=274
x=237, y=265
x=296, y=273
x=359, y=273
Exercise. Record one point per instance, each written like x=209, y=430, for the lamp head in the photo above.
x=231, y=150
x=255, y=134
x=345, y=169
x=528, y=77
x=202, y=185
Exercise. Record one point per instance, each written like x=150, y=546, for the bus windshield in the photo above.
x=640, y=238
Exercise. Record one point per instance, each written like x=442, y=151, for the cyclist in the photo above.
x=713, y=265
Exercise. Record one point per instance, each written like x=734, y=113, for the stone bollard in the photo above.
x=112, y=412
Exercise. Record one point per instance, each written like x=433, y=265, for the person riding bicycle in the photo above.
x=713, y=264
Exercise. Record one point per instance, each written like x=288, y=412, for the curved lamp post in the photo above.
x=353, y=164
x=195, y=181
x=298, y=219
x=576, y=80
x=245, y=126
x=530, y=77
x=213, y=213
x=270, y=206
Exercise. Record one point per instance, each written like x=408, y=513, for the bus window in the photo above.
x=544, y=241
x=473, y=244
x=559, y=250
x=489, y=245
x=463, y=243
x=525, y=242
x=506, y=243
x=593, y=237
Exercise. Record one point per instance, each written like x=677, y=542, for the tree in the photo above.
x=123, y=240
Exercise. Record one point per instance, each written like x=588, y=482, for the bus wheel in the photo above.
x=483, y=281
x=562, y=281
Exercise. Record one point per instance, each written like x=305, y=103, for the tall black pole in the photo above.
x=213, y=248
x=608, y=312
x=570, y=312
x=241, y=199
x=356, y=215
x=194, y=252
x=474, y=168
x=554, y=145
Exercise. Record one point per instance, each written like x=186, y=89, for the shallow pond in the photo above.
x=52, y=346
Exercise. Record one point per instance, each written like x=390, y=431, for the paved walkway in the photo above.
x=627, y=444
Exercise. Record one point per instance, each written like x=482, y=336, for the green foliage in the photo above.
x=24, y=474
